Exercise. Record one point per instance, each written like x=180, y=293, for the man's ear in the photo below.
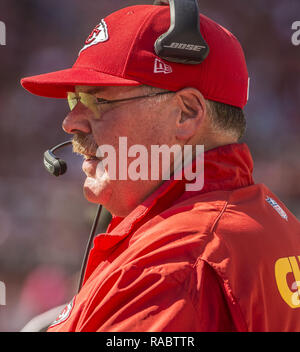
x=192, y=111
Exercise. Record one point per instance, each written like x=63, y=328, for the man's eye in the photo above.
x=77, y=99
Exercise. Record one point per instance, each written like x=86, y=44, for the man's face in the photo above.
x=144, y=122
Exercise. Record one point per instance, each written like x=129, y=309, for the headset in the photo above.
x=182, y=43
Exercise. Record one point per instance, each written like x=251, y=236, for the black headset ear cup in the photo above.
x=183, y=42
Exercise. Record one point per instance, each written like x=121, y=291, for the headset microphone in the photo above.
x=53, y=164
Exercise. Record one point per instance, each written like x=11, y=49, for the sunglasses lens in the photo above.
x=88, y=100
x=72, y=100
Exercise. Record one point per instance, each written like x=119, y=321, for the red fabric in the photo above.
x=127, y=57
x=195, y=261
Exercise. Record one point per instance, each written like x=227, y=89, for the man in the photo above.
x=222, y=257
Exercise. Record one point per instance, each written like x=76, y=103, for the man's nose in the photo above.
x=77, y=121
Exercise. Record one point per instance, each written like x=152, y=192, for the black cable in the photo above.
x=89, y=245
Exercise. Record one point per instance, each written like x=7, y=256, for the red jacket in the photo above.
x=225, y=258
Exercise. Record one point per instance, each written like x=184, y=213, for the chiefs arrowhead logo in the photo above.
x=64, y=314
x=99, y=34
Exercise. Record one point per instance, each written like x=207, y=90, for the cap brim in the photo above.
x=57, y=84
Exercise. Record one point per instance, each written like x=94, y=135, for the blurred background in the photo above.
x=45, y=221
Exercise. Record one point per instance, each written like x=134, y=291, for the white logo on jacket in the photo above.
x=277, y=207
x=64, y=314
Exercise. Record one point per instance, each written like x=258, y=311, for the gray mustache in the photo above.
x=84, y=144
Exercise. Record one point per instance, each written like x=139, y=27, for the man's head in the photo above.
x=202, y=105
x=145, y=119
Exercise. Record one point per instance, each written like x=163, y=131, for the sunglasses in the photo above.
x=96, y=104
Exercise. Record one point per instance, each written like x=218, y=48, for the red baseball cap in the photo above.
x=120, y=52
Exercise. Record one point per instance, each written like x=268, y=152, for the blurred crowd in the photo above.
x=45, y=221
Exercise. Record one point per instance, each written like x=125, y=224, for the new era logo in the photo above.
x=161, y=67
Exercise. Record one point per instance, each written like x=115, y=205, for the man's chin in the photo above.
x=96, y=191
